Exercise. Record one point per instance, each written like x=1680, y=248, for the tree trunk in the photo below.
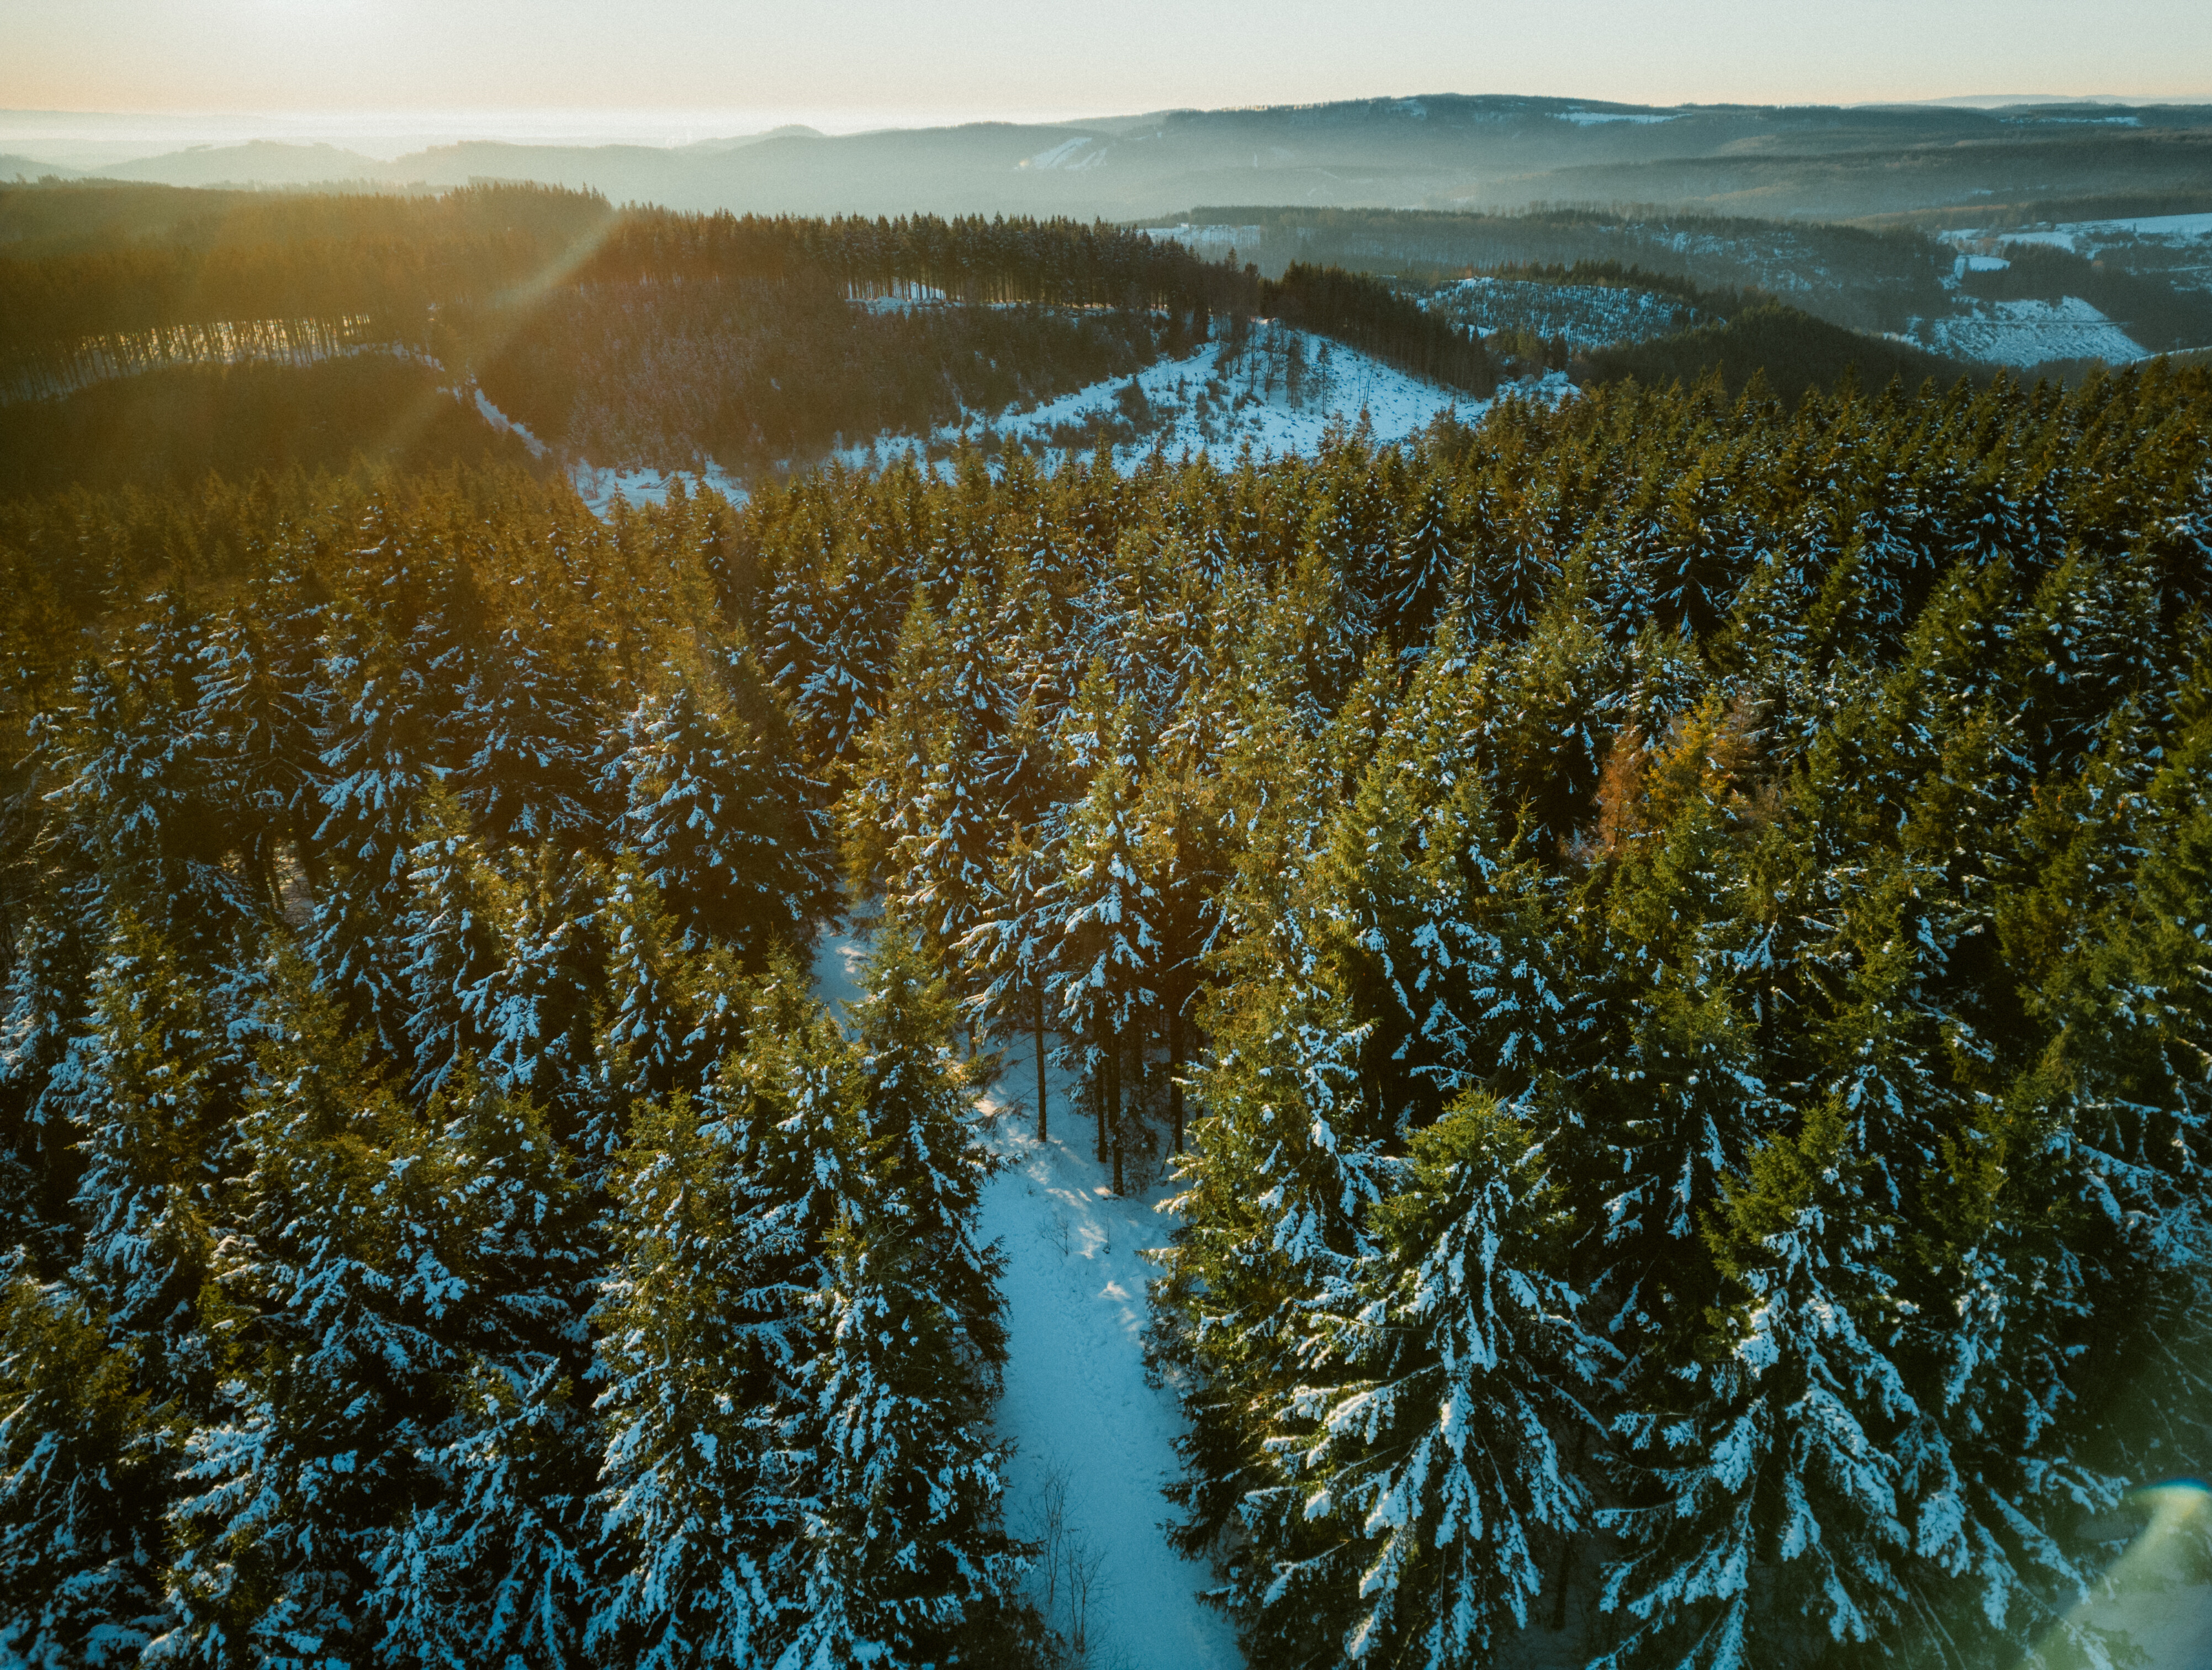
x=1038, y=1012
x=1567, y=1543
x=1112, y=1105
x=1174, y=1068
x=1100, y=1056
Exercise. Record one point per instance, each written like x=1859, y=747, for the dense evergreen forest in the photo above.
x=1663, y=936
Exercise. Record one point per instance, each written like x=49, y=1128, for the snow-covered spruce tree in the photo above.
x=444, y=621
x=346, y=1297
x=1277, y=1185
x=256, y=706
x=800, y=1340
x=453, y=941
x=154, y=1099
x=1423, y=559
x=526, y=774
x=1542, y=749
x=835, y=702
x=1308, y=643
x=51, y=892
x=944, y=884
x=83, y=1458
x=1671, y=1094
x=1357, y=727
x=138, y=794
x=974, y=683
x=717, y=814
x=1441, y=930
x=902, y=1558
x=719, y=1210
x=502, y=1565
x=2027, y=1227
x=1102, y=948
x=2112, y=961
x=540, y=1017
x=904, y=1554
x=498, y=1563
x=1778, y=1531
x=926, y=1168
x=881, y=816
x=1005, y=957
x=375, y=736
x=47, y=991
x=696, y=1370
x=1035, y=682
x=1509, y=572
x=668, y=1015
x=1184, y=862
x=1909, y=801
x=918, y=825
x=1430, y=1439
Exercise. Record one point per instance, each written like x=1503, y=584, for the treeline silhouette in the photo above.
x=1364, y=311
x=241, y=421
x=394, y=258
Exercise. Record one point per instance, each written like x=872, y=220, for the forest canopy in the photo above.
x=1661, y=935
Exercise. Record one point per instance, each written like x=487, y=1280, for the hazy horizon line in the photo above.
x=103, y=136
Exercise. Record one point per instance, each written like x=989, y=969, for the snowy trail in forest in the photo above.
x=1077, y=1405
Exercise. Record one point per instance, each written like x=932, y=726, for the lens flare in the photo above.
x=2152, y=1609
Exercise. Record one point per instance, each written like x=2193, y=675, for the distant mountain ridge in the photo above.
x=1438, y=151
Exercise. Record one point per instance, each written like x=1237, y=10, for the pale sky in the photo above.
x=845, y=63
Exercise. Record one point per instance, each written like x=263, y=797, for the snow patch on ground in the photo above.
x=1077, y=1405
x=505, y=425
x=2026, y=333
x=914, y=296
x=599, y=489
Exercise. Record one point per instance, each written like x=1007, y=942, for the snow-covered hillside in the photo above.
x=2026, y=333
x=1280, y=396
x=1094, y=1441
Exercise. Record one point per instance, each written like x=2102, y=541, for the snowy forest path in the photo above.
x=1089, y=1432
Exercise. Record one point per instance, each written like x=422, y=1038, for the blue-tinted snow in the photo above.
x=1077, y=1405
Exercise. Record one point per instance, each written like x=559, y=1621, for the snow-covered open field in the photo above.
x=1090, y=1435
x=2087, y=237
x=2026, y=333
